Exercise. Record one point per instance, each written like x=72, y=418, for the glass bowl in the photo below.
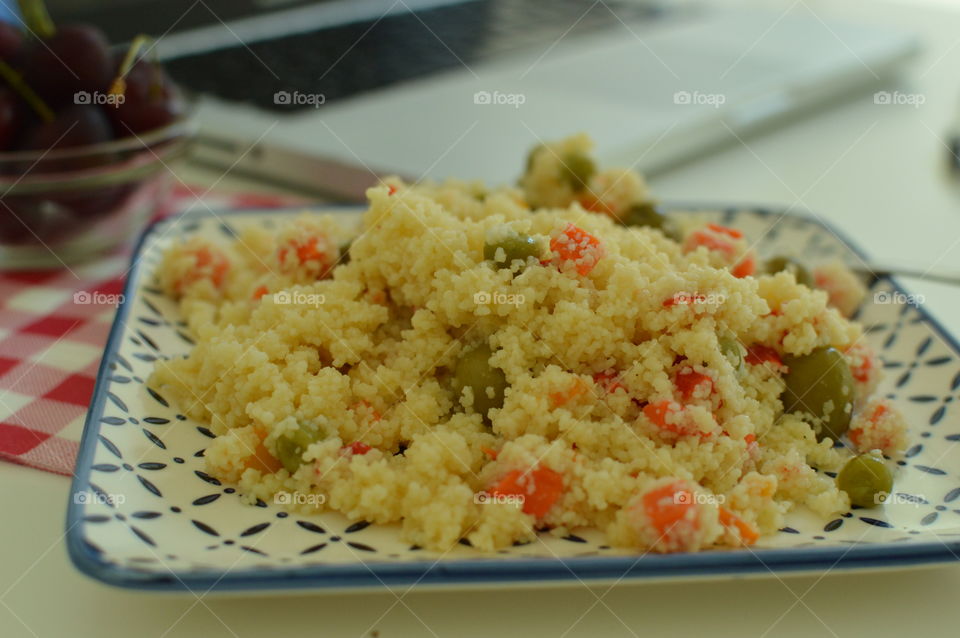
x=62, y=206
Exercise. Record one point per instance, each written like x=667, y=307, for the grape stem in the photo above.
x=119, y=84
x=15, y=80
x=36, y=18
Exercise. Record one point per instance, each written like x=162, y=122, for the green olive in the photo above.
x=577, y=168
x=649, y=215
x=866, y=479
x=820, y=384
x=788, y=264
x=474, y=371
x=731, y=349
x=292, y=445
x=515, y=246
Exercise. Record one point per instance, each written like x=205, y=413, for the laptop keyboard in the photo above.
x=346, y=60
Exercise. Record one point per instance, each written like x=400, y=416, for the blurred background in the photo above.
x=390, y=83
x=322, y=98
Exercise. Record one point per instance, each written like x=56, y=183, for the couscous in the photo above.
x=487, y=364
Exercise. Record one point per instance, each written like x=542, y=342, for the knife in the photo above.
x=270, y=163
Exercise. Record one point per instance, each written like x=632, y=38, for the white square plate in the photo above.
x=144, y=514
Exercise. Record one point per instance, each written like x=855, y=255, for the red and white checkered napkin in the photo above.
x=50, y=346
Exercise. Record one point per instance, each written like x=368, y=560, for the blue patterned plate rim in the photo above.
x=478, y=572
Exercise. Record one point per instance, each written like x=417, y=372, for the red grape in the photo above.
x=150, y=101
x=76, y=58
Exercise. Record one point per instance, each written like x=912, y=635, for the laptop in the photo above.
x=441, y=88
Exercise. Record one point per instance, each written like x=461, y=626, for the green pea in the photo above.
x=866, y=479
x=291, y=446
x=821, y=385
x=577, y=169
x=731, y=349
x=787, y=264
x=648, y=214
x=515, y=246
x=474, y=371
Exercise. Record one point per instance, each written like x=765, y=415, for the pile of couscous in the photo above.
x=486, y=364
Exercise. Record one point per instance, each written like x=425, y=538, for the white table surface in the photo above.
x=875, y=171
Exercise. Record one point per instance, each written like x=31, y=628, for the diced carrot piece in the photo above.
x=204, y=256
x=540, y=487
x=564, y=397
x=578, y=246
x=260, y=292
x=861, y=372
x=307, y=250
x=608, y=380
x=366, y=404
x=879, y=440
x=391, y=189
x=750, y=439
x=758, y=354
x=670, y=506
x=878, y=412
x=657, y=413
x=725, y=230
x=748, y=535
x=704, y=238
x=595, y=204
x=220, y=272
x=854, y=436
x=262, y=460
x=208, y=263
x=687, y=382
x=745, y=267
x=358, y=447
x=493, y=454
